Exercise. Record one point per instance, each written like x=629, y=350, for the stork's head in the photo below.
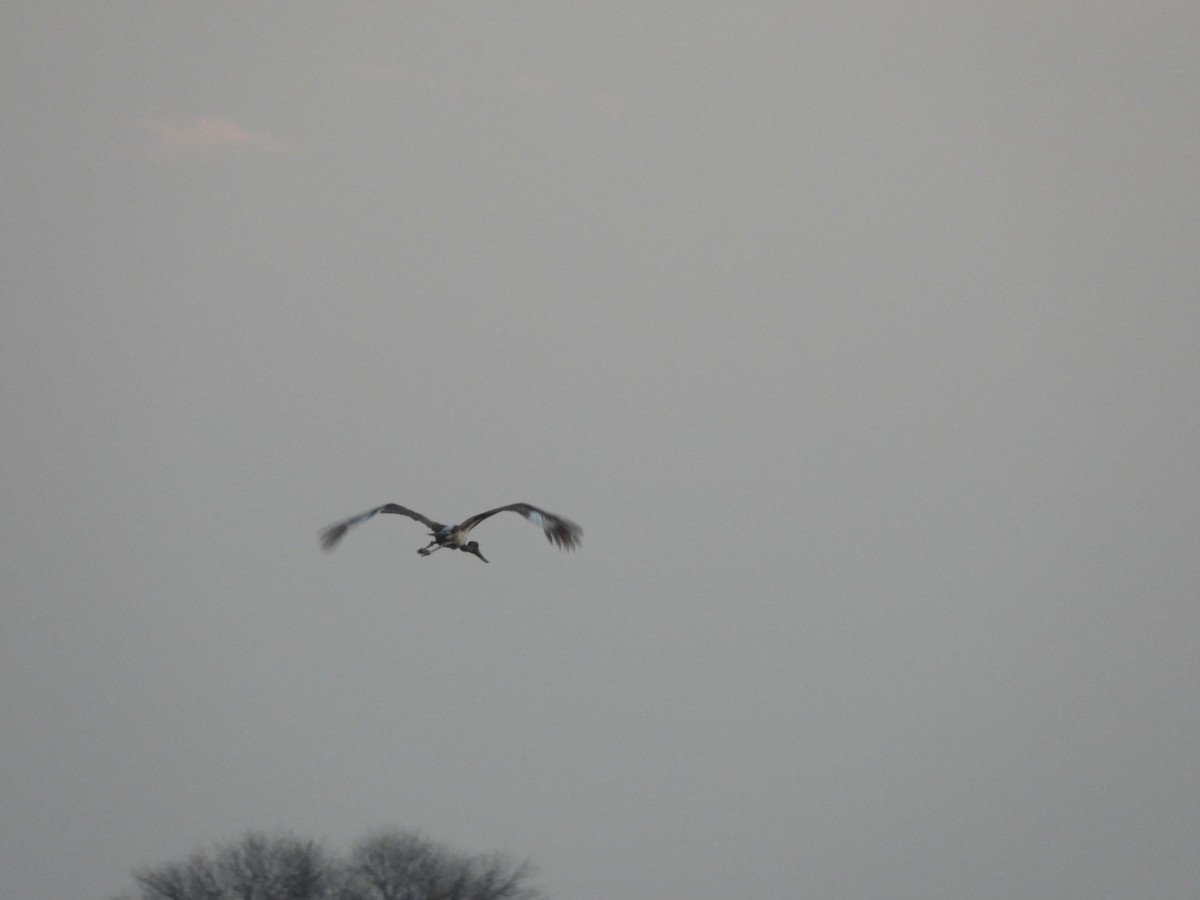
x=473, y=547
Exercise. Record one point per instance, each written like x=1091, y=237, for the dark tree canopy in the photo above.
x=402, y=865
x=387, y=864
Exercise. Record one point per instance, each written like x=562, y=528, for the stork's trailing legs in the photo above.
x=429, y=548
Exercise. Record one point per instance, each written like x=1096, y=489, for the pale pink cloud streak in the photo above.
x=211, y=135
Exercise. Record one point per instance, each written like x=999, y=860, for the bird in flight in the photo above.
x=559, y=531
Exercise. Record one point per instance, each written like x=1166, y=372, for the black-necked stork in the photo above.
x=559, y=531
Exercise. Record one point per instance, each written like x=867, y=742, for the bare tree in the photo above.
x=387, y=864
x=394, y=864
x=257, y=867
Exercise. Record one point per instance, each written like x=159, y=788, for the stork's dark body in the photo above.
x=559, y=531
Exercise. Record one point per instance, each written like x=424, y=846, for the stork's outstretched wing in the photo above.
x=334, y=533
x=559, y=531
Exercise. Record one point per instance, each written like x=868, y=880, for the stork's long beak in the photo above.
x=480, y=555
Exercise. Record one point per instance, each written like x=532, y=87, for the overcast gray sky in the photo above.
x=862, y=339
